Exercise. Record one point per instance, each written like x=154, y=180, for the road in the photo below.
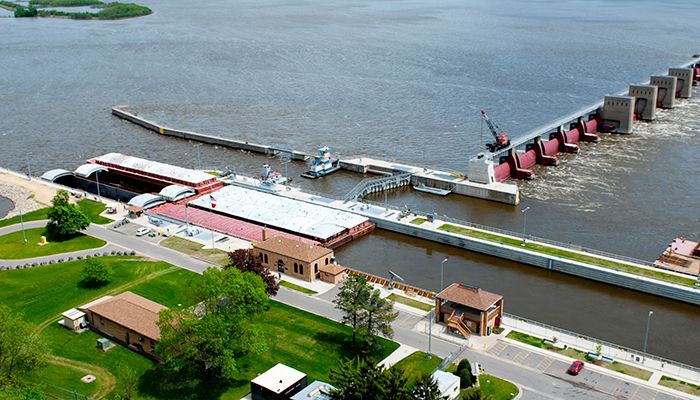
x=538, y=377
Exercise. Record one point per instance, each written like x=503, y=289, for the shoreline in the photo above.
x=26, y=195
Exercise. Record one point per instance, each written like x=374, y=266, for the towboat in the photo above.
x=427, y=189
x=323, y=164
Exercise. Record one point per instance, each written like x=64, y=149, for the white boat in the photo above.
x=427, y=189
x=323, y=164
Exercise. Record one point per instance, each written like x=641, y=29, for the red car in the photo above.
x=575, y=368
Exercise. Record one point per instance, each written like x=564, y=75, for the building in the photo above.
x=332, y=273
x=468, y=309
x=277, y=383
x=329, y=227
x=317, y=390
x=298, y=259
x=127, y=318
x=447, y=383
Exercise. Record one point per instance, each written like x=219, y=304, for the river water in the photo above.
x=399, y=80
x=5, y=206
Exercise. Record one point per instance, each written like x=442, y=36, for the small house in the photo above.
x=448, y=384
x=277, y=383
x=468, y=309
x=295, y=258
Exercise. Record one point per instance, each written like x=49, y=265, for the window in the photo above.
x=326, y=260
x=296, y=268
x=301, y=269
x=265, y=258
x=316, y=268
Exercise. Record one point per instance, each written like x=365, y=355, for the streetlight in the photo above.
x=524, y=221
x=97, y=180
x=430, y=333
x=21, y=221
x=646, y=335
x=442, y=273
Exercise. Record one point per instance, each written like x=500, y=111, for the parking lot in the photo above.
x=131, y=228
x=584, y=384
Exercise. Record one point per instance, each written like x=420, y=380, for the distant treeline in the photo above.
x=107, y=10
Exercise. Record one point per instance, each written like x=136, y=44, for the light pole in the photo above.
x=21, y=221
x=430, y=332
x=646, y=335
x=442, y=274
x=97, y=180
x=523, y=211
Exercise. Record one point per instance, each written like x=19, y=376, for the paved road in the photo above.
x=538, y=377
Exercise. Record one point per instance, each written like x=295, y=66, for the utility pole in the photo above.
x=442, y=274
x=523, y=211
x=646, y=335
x=430, y=332
x=97, y=179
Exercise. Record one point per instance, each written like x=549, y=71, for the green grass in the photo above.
x=410, y=302
x=297, y=287
x=418, y=364
x=418, y=220
x=681, y=386
x=305, y=341
x=627, y=369
x=556, y=252
x=46, y=291
x=527, y=339
x=93, y=209
x=12, y=245
x=63, y=377
x=195, y=249
x=36, y=215
x=498, y=388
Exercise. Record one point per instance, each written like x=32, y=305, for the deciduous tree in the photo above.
x=95, y=273
x=64, y=218
x=21, y=349
x=245, y=261
x=214, y=335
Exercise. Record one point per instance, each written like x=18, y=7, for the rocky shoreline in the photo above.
x=21, y=198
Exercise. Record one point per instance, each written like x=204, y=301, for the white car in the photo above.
x=143, y=231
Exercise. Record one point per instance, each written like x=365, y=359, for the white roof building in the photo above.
x=280, y=212
x=280, y=380
x=448, y=384
x=153, y=168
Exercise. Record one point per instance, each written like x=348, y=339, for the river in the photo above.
x=400, y=80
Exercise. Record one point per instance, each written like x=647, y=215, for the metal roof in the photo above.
x=86, y=170
x=155, y=168
x=54, y=174
x=317, y=390
x=146, y=200
x=176, y=192
x=278, y=378
x=280, y=212
x=445, y=381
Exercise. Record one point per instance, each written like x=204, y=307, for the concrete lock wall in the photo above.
x=684, y=81
x=619, y=112
x=609, y=276
x=645, y=97
x=666, y=86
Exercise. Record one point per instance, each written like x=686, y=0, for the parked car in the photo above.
x=575, y=368
x=142, y=231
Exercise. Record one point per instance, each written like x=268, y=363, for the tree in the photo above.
x=64, y=218
x=351, y=301
x=379, y=314
x=464, y=372
x=214, y=335
x=95, y=273
x=245, y=261
x=9, y=391
x=426, y=388
x=21, y=349
x=128, y=385
x=358, y=379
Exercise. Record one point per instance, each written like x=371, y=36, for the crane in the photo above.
x=501, y=139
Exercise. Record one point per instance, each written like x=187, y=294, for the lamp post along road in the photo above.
x=523, y=211
x=97, y=180
x=442, y=274
x=646, y=335
x=21, y=221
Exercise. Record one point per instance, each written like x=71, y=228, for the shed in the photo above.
x=277, y=383
x=448, y=384
x=73, y=318
x=332, y=273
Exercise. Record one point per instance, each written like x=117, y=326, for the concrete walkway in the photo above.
x=397, y=355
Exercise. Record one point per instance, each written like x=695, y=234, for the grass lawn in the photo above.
x=418, y=220
x=556, y=252
x=35, y=215
x=194, y=249
x=297, y=287
x=681, y=386
x=307, y=342
x=93, y=209
x=630, y=370
x=46, y=291
x=12, y=245
x=63, y=377
x=499, y=388
x=527, y=339
x=410, y=302
x=418, y=364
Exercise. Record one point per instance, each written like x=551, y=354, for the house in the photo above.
x=317, y=390
x=127, y=318
x=292, y=257
x=332, y=273
x=277, y=383
x=448, y=384
x=468, y=309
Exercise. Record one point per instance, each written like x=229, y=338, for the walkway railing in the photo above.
x=616, y=351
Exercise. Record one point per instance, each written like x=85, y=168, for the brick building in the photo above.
x=292, y=257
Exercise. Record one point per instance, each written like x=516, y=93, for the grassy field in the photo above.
x=63, y=377
x=418, y=220
x=12, y=245
x=42, y=293
x=195, y=249
x=681, y=386
x=297, y=287
x=35, y=215
x=410, y=302
x=418, y=364
x=93, y=209
x=556, y=252
x=498, y=388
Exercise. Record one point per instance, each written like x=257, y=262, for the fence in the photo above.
x=57, y=392
x=586, y=343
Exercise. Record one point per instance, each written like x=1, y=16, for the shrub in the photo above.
x=464, y=372
x=95, y=274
